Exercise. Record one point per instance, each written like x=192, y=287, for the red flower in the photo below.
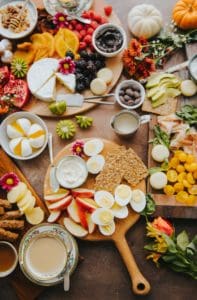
x=163, y=226
x=60, y=20
x=66, y=65
x=135, y=48
x=77, y=148
x=8, y=181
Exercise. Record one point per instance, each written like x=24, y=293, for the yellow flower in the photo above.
x=155, y=257
x=160, y=244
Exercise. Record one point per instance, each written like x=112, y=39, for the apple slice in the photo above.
x=83, y=193
x=74, y=228
x=17, y=192
x=29, y=205
x=25, y=199
x=87, y=204
x=91, y=225
x=56, y=197
x=61, y=204
x=72, y=210
x=82, y=217
x=54, y=216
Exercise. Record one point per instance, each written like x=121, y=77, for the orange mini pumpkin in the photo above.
x=185, y=14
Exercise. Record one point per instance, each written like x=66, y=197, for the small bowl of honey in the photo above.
x=8, y=258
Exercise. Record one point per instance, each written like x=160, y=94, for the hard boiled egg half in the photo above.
x=123, y=194
x=95, y=164
x=104, y=218
x=93, y=147
x=138, y=200
x=104, y=199
x=18, y=128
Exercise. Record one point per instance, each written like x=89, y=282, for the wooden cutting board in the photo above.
x=115, y=64
x=140, y=285
x=22, y=285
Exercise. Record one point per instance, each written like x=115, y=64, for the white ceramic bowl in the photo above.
x=13, y=267
x=128, y=83
x=33, y=17
x=103, y=28
x=4, y=139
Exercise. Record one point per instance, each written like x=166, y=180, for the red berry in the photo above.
x=73, y=22
x=87, y=39
x=70, y=27
x=77, y=34
x=79, y=27
x=97, y=18
x=94, y=24
x=82, y=33
x=86, y=14
x=108, y=10
x=104, y=20
x=91, y=14
x=90, y=30
x=82, y=45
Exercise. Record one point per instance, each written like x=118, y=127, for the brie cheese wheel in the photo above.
x=69, y=81
x=40, y=72
x=47, y=91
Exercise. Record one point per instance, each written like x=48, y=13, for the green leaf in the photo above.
x=170, y=243
x=149, y=247
x=169, y=257
x=182, y=240
x=150, y=206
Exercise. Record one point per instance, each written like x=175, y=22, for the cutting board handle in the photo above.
x=139, y=284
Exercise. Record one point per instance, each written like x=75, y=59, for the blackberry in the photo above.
x=70, y=53
x=84, y=54
x=86, y=82
x=80, y=64
x=80, y=87
x=99, y=64
x=79, y=76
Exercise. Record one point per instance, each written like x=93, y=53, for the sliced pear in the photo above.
x=28, y=206
x=158, y=95
x=17, y=192
x=25, y=199
x=159, y=102
x=155, y=79
x=172, y=92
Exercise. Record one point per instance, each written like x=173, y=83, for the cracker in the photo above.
x=167, y=108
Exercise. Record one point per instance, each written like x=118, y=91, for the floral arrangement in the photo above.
x=77, y=148
x=142, y=57
x=176, y=252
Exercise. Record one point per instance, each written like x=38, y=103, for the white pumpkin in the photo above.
x=144, y=20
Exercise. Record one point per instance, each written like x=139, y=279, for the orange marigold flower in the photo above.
x=135, y=48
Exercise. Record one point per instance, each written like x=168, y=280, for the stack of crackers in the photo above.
x=121, y=164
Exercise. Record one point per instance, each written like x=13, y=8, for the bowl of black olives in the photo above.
x=130, y=94
x=109, y=39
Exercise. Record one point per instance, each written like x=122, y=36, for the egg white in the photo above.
x=138, y=200
x=95, y=164
x=120, y=212
x=13, y=143
x=12, y=132
x=102, y=216
x=26, y=148
x=104, y=199
x=123, y=194
x=24, y=124
x=108, y=229
x=93, y=147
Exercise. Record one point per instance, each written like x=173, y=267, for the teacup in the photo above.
x=8, y=258
x=126, y=122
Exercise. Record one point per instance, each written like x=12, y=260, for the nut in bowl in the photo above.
x=130, y=94
x=23, y=135
x=109, y=39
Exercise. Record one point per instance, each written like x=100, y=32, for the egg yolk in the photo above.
x=105, y=217
x=17, y=149
x=18, y=127
x=36, y=134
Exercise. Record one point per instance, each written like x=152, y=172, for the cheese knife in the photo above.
x=77, y=100
x=54, y=184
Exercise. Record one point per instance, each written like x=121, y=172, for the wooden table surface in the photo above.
x=101, y=275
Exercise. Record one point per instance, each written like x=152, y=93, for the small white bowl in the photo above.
x=4, y=139
x=128, y=83
x=13, y=267
x=33, y=17
x=104, y=27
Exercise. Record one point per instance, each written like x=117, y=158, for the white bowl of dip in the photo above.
x=71, y=172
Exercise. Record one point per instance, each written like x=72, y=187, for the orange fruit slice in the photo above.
x=28, y=55
x=41, y=53
x=50, y=42
x=38, y=39
x=66, y=40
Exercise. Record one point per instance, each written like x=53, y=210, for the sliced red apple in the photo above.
x=83, y=193
x=82, y=217
x=87, y=204
x=61, y=204
x=72, y=210
x=54, y=216
x=56, y=197
x=74, y=228
x=91, y=225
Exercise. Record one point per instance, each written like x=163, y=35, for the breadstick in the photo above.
x=6, y=235
x=2, y=211
x=12, y=224
x=5, y=203
x=11, y=215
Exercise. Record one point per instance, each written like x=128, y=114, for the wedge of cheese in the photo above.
x=69, y=81
x=47, y=91
x=40, y=73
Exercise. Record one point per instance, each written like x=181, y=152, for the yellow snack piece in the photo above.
x=177, y=152
x=180, y=168
x=38, y=39
x=186, y=184
x=191, y=199
x=187, y=167
x=24, y=46
x=178, y=187
x=27, y=55
x=182, y=156
x=195, y=174
x=181, y=176
x=190, y=178
x=169, y=190
x=193, y=189
x=174, y=162
x=50, y=42
x=190, y=159
x=192, y=167
x=182, y=197
x=172, y=175
x=41, y=53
